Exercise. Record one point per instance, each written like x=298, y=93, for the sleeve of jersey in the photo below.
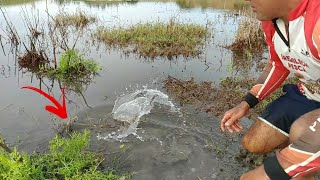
x=316, y=37
x=278, y=73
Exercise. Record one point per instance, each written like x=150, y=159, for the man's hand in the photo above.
x=232, y=117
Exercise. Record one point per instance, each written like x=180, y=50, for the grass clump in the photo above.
x=67, y=159
x=157, y=39
x=72, y=66
x=78, y=20
x=74, y=71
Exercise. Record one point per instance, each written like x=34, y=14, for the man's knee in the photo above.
x=252, y=145
x=261, y=138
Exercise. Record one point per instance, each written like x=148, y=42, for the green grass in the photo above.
x=72, y=66
x=74, y=71
x=67, y=159
x=157, y=39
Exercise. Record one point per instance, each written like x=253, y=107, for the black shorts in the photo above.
x=281, y=113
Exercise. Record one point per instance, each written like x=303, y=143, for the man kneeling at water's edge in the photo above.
x=292, y=32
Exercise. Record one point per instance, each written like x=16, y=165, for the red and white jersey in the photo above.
x=298, y=54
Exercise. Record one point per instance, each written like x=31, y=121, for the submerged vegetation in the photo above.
x=157, y=39
x=67, y=159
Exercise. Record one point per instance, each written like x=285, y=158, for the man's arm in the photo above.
x=274, y=73
x=263, y=76
x=316, y=36
x=271, y=78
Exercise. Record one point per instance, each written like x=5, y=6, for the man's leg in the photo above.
x=298, y=161
x=263, y=138
x=259, y=173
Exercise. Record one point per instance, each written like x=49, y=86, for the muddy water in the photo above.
x=172, y=146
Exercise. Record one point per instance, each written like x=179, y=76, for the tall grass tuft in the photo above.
x=72, y=66
x=249, y=36
x=74, y=71
x=157, y=39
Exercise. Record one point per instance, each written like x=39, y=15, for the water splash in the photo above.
x=129, y=108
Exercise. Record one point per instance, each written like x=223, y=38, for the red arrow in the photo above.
x=59, y=110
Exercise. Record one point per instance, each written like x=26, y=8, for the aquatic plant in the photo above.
x=74, y=72
x=67, y=159
x=161, y=39
x=72, y=65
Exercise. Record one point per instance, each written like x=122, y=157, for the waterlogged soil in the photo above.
x=168, y=145
x=206, y=96
x=177, y=145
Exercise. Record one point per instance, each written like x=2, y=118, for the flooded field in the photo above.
x=139, y=128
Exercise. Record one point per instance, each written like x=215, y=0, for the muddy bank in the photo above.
x=168, y=145
x=206, y=96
